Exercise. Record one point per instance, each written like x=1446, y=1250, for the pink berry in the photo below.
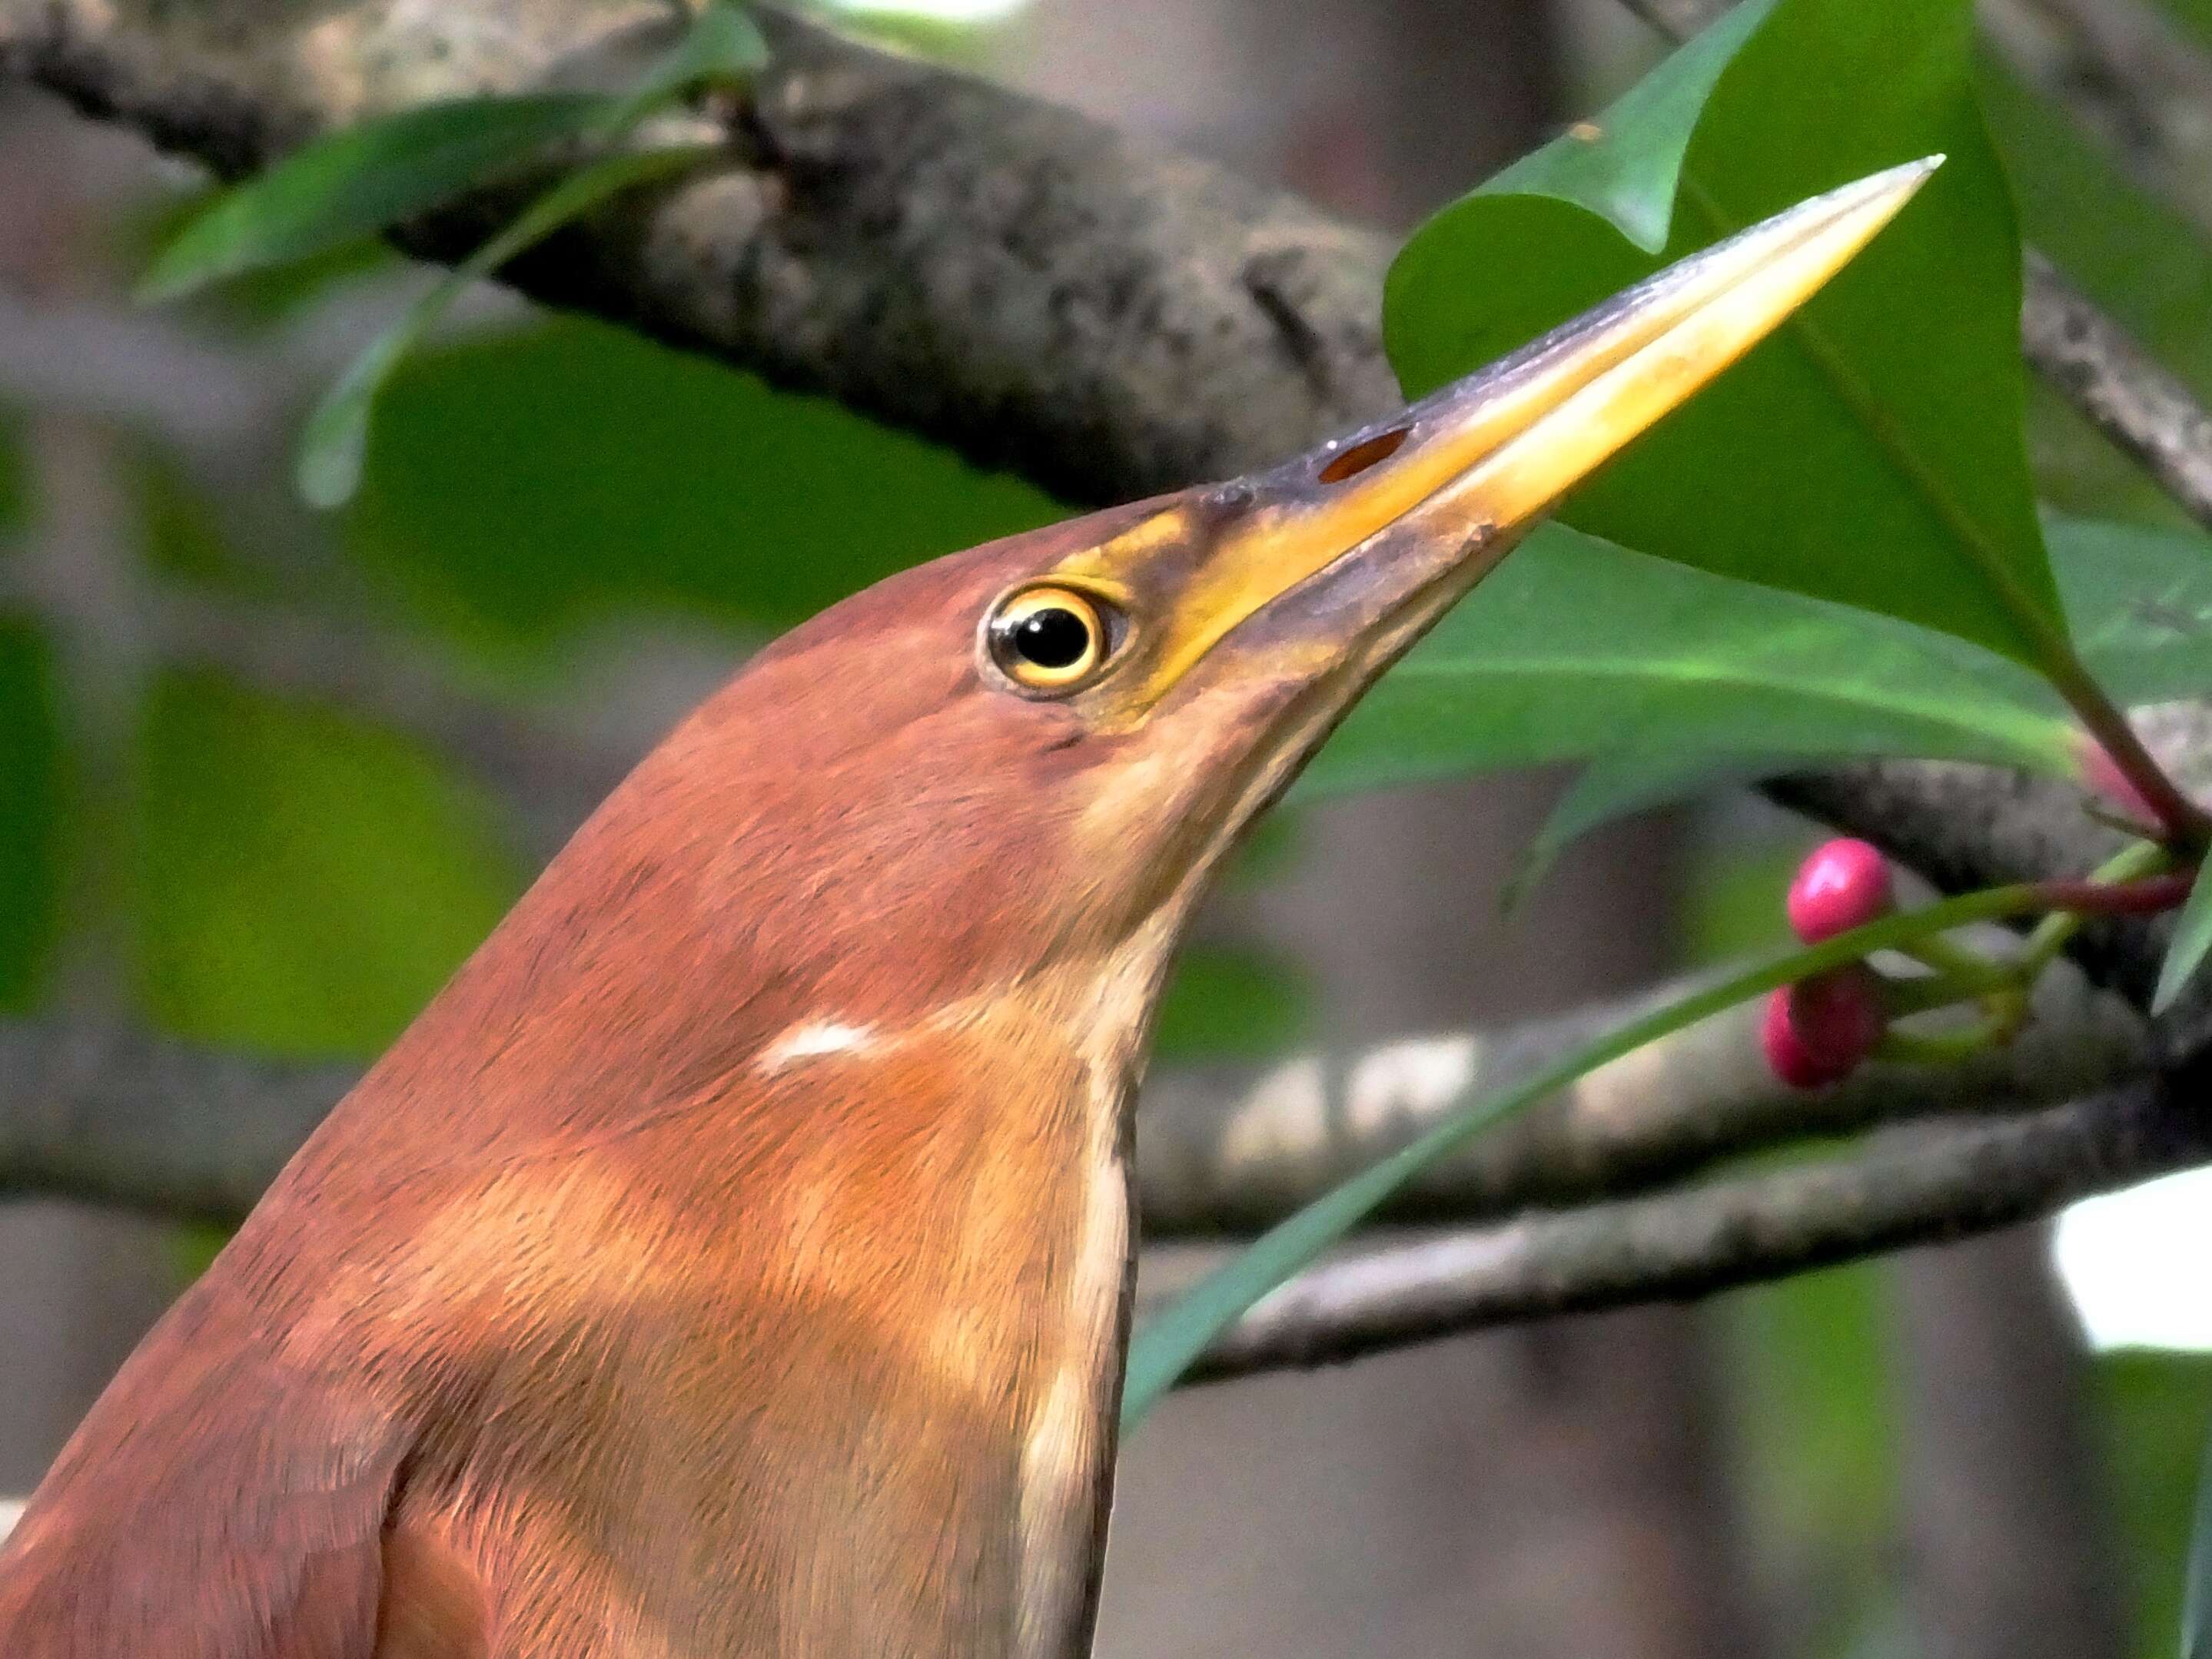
x=1838, y=1015
x=1819, y=1030
x=2102, y=773
x=1787, y=1057
x=1844, y=884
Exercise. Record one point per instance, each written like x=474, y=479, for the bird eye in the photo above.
x=1048, y=639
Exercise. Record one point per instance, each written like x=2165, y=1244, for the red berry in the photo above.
x=1842, y=884
x=1786, y=1057
x=1818, y=1030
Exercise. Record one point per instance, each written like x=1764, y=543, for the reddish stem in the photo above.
x=2185, y=825
x=2148, y=896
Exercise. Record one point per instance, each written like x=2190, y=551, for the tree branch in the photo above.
x=122, y=1118
x=1010, y=277
x=1229, y=1152
x=950, y=256
x=1912, y=1187
x=2145, y=411
x=2130, y=75
x=999, y=274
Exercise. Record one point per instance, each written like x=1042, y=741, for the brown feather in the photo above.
x=588, y=1325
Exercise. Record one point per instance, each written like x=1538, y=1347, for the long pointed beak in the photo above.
x=1455, y=479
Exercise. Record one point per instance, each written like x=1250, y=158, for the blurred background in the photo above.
x=266, y=776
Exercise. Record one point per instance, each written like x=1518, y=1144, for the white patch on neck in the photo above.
x=812, y=1039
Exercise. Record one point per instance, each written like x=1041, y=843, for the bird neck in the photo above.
x=860, y=1280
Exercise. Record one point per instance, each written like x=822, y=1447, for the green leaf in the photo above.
x=1666, y=681
x=370, y=176
x=1576, y=649
x=530, y=481
x=305, y=881
x=1624, y=164
x=2142, y=263
x=1619, y=784
x=1869, y=453
x=1165, y=1347
x=2192, y=938
x=2139, y=602
x=337, y=437
x=2137, y=256
x=359, y=180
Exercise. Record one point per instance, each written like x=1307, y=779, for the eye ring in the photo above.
x=1048, y=639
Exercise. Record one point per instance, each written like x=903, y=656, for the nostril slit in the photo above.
x=1363, y=454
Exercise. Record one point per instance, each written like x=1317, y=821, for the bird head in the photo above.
x=1040, y=747
x=1029, y=757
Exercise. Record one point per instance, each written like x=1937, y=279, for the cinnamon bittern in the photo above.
x=734, y=1259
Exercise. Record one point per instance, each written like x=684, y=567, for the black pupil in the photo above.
x=1051, y=636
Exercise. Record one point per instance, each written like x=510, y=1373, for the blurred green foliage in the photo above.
x=181, y=537
x=526, y=481
x=2154, y=1410
x=15, y=505
x=1230, y=1003
x=304, y=880
x=31, y=788
x=1816, y=1445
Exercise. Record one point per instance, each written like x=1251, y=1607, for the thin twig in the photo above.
x=2130, y=75
x=2142, y=408
x=1914, y=1187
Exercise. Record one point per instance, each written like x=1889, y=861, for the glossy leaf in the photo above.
x=2137, y=256
x=2143, y=261
x=365, y=178
x=337, y=436
x=1626, y=163
x=1749, y=694
x=1870, y=452
x=1575, y=648
x=360, y=179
